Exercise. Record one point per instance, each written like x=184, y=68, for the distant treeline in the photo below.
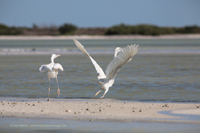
x=144, y=29
x=122, y=29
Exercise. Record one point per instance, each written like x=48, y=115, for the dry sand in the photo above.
x=175, y=36
x=96, y=109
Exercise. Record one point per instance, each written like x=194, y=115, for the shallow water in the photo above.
x=162, y=70
x=147, y=46
x=146, y=78
x=41, y=125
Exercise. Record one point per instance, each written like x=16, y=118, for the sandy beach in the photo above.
x=175, y=36
x=96, y=109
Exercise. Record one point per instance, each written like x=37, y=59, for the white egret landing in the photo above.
x=121, y=57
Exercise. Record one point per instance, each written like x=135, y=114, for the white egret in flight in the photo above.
x=121, y=57
x=52, y=69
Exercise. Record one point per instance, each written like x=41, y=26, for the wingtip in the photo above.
x=40, y=69
x=81, y=47
x=135, y=45
x=75, y=40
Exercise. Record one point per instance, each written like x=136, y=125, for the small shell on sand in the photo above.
x=68, y=111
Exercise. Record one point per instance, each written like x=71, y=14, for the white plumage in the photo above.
x=121, y=57
x=52, y=72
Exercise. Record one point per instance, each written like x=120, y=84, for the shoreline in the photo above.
x=101, y=37
x=70, y=52
x=144, y=50
x=99, y=109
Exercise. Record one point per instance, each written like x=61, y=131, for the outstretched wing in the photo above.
x=58, y=66
x=122, y=58
x=97, y=67
x=45, y=68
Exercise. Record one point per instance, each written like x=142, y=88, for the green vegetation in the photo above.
x=67, y=29
x=4, y=30
x=144, y=29
x=122, y=29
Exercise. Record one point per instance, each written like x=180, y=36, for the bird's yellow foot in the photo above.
x=58, y=92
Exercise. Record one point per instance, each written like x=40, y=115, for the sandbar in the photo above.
x=96, y=109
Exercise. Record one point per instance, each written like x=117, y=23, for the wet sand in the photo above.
x=96, y=109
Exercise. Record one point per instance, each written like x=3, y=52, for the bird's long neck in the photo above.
x=115, y=53
x=52, y=60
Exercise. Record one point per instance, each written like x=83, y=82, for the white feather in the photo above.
x=46, y=68
x=57, y=67
x=97, y=67
x=121, y=57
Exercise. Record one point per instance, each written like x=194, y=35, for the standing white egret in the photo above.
x=52, y=69
x=121, y=57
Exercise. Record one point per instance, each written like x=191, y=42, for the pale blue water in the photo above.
x=41, y=125
x=147, y=46
x=174, y=76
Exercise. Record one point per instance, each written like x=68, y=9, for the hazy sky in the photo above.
x=99, y=13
